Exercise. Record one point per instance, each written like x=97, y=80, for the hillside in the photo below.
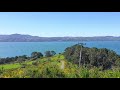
x=29, y=38
x=40, y=68
x=52, y=67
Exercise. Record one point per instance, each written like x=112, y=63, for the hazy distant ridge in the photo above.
x=29, y=38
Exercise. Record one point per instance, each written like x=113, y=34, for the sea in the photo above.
x=11, y=49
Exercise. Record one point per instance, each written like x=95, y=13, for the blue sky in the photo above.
x=52, y=24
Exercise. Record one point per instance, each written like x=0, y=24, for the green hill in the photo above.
x=50, y=67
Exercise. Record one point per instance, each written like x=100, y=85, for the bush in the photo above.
x=23, y=65
x=36, y=63
x=1, y=70
x=50, y=53
x=35, y=55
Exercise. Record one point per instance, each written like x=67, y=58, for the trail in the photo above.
x=62, y=64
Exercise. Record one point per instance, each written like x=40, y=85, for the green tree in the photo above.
x=48, y=54
x=53, y=53
x=35, y=55
x=20, y=59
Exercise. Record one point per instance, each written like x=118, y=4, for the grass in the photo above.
x=29, y=62
x=44, y=59
x=10, y=66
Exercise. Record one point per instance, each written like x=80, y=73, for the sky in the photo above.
x=60, y=24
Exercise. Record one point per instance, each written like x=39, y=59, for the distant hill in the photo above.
x=29, y=38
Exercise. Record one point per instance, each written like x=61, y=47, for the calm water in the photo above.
x=9, y=49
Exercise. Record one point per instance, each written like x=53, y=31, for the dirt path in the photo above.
x=62, y=64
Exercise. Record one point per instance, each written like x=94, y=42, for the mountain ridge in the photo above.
x=30, y=38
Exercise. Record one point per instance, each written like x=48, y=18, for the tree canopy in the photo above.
x=36, y=55
x=92, y=56
x=50, y=53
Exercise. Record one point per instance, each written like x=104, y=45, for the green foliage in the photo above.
x=51, y=69
x=36, y=63
x=15, y=59
x=53, y=53
x=92, y=56
x=20, y=59
x=10, y=66
x=117, y=62
x=1, y=70
x=23, y=65
x=50, y=53
x=36, y=55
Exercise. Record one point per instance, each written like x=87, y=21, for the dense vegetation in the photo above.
x=103, y=57
x=95, y=63
x=19, y=59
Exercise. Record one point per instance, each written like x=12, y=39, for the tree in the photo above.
x=20, y=59
x=35, y=55
x=24, y=56
x=50, y=53
x=53, y=53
